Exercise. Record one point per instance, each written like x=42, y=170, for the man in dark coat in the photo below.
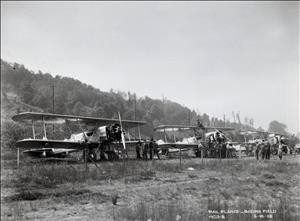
x=267, y=150
x=263, y=150
x=155, y=149
x=138, y=148
x=145, y=150
x=257, y=150
x=151, y=149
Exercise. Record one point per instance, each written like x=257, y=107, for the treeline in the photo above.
x=74, y=97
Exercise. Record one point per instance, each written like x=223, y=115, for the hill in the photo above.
x=25, y=90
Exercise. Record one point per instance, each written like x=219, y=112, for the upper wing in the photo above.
x=266, y=133
x=220, y=128
x=60, y=119
x=162, y=128
x=246, y=132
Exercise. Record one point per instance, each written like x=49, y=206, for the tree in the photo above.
x=260, y=128
x=277, y=127
x=238, y=118
x=246, y=121
x=251, y=122
x=233, y=115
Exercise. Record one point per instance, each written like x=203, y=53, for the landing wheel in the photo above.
x=92, y=156
x=115, y=156
x=112, y=155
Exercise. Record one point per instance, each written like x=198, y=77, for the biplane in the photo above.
x=97, y=135
x=259, y=137
x=200, y=136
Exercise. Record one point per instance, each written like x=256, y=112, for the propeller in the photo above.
x=122, y=134
x=223, y=134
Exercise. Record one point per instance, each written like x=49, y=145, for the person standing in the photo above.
x=145, y=150
x=151, y=149
x=155, y=149
x=263, y=150
x=257, y=150
x=229, y=149
x=280, y=147
x=138, y=148
x=268, y=150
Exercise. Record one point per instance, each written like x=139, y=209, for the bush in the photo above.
x=10, y=133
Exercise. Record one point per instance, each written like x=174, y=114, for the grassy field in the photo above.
x=228, y=189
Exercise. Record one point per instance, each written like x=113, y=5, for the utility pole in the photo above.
x=135, y=114
x=52, y=106
x=52, y=98
x=224, y=120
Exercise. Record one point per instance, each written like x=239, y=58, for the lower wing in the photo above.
x=49, y=144
x=177, y=146
x=49, y=152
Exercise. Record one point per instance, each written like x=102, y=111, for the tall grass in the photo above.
x=184, y=210
x=168, y=211
x=47, y=175
x=228, y=184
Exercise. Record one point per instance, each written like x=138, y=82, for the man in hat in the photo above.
x=145, y=150
x=257, y=149
x=280, y=147
x=263, y=150
x=155, y=149
x=268, y=150
x=138, y=148
x=151, y=149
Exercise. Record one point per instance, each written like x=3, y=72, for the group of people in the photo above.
x=263, y=149
x=216, y=146
x=147, y=150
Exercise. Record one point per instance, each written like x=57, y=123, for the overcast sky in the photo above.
x=214, y=57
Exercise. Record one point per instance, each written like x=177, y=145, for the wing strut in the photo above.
x=174, y=135
x=122, y=134
x=33, y=131
x=44, y=124
x=129, y=134
x=18, y=157
x=139, y=132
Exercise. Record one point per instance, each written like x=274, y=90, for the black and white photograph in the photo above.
x=150, y=110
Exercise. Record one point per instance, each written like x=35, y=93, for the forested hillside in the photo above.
x=35, y=92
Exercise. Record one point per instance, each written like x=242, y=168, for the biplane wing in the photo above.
x=49, y=152
x=252, y=132
x=166, y=128
x=61, y=144
x=220, y=128
x=177, y=145
x=29, y=117
x=261, y=133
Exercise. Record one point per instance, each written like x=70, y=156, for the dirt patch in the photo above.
x=268, y=176
x=37, y=195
